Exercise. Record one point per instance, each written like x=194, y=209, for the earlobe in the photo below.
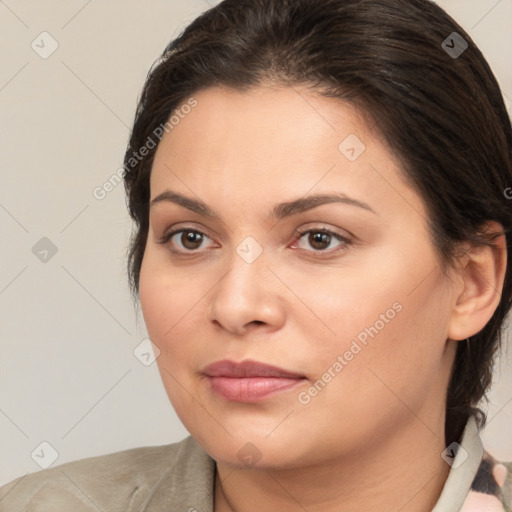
x=482, y=271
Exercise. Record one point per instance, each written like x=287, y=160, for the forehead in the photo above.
x=280, y=117
x=276, y=142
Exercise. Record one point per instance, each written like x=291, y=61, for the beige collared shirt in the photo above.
x=181, y=477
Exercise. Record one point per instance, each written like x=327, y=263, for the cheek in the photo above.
x=386, y=339
x=163, y=305
x=167, y=299
x=152, y=301
x=172, y=305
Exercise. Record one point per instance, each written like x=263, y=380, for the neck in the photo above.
x=406, y=473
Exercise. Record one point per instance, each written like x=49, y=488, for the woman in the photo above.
x=322, y=231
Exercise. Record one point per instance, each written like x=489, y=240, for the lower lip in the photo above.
x=251, y=389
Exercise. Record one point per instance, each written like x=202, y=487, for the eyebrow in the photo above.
x=279, y=211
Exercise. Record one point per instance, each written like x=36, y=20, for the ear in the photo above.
x=481, y=271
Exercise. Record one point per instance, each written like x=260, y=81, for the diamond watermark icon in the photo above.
x=146, y=352
x=454, y=455
x=249, y=454
x=44, y=45
x=454, y=45
x=351, y=147
x=44, y=455
x=249, y=249
x=44, y=250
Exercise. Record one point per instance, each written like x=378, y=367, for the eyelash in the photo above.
x=298, y=235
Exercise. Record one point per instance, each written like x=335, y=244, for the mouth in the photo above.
x=249, y=381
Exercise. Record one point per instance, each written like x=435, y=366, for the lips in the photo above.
x=249, y=381
x=247, y=369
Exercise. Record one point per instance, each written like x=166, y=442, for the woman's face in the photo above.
x=355, y=318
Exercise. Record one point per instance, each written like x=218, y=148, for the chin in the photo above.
x=248, y=448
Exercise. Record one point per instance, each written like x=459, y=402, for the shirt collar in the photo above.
x=463, y=468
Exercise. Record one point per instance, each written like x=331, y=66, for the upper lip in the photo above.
x=247, y=368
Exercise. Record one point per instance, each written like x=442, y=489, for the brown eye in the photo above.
x=321, y=241
x=184, y=240
x=191, y=239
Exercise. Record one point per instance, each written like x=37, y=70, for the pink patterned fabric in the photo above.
x=491, y=489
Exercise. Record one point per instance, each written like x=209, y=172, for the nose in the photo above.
x=247, y=297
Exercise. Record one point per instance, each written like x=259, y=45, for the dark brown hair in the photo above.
x=439, y=110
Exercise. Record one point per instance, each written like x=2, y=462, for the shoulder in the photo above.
x=119, y=481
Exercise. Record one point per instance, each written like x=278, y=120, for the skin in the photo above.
x=372, y=437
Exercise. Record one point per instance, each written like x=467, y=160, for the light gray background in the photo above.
x=68, y=328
